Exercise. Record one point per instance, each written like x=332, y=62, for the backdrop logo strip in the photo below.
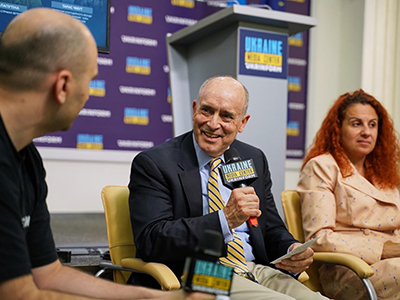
x=134, y=144
x=126, y=39
x=262, y=54
x=95, y=112
x=141, y=91
x=49, y=139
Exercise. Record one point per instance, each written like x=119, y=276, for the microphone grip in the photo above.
x=252, y=220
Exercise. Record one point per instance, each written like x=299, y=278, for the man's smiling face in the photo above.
x=218, y=115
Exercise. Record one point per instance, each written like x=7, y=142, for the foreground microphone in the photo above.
x=238, y=173
x=203, y=273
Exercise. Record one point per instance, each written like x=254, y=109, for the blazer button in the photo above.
x=367, y=231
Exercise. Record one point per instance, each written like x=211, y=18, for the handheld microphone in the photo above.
x=238, y=173
x=202, y=273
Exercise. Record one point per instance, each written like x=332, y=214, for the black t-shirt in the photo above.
x=26, y=240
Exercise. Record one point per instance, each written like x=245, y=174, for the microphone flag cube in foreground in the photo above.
x=203, y=273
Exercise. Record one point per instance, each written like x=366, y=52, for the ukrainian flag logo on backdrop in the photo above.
x=138, y=65
x=293, y=128
x=296, y=40
x=262, y=53
x=97, y=88
x=89, y=141
x=169, y=97
x=294, y=84
x=183, y=3
x=136, y=116
x=140, y=14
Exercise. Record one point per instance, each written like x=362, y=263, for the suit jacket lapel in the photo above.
x=190, y=177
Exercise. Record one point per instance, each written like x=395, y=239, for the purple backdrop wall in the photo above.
x=129, y=107
x=297, y=84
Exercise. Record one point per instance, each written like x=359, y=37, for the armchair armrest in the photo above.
x=360, y=267
x=160, y=272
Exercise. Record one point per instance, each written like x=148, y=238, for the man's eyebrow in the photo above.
x=227, y=112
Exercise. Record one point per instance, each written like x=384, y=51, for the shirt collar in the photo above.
x=203, y=158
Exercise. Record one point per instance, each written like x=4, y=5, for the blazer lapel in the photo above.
x=362, y=185
x=190, y=177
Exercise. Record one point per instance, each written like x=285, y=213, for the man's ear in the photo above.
x=62, y=85
x=243, y=122
x=194, y=104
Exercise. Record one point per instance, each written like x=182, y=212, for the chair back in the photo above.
x=119, y=231
x=291, y=203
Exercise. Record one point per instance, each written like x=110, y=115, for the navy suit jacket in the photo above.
x=166, y=205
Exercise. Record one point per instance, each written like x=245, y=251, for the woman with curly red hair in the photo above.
x=350, y=199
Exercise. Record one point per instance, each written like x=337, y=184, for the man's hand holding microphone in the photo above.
x=243, y=203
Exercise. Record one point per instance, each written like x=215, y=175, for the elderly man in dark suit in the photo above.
x=169, y=203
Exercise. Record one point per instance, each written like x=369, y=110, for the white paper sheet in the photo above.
x=295, y=251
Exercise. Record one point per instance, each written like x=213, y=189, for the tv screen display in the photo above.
x=95, y=14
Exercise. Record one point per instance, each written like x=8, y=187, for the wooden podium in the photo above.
x=249, y=44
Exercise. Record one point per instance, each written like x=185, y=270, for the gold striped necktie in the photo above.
x=235, y=257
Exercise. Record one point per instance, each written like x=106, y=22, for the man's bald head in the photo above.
x=39, y=42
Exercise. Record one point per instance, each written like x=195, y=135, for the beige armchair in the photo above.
x=121, y=245
x=291, y=204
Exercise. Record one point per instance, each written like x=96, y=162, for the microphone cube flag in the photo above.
x=241, y=171
x=207, y=277
x=203, y=273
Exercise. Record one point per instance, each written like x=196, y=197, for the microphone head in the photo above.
x=236, y=173
x=231, y=155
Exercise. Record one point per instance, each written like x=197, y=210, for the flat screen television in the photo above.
x=95, y=14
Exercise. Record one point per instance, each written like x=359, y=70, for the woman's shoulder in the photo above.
x=324, y=165
x=323, y=160
x=322, y=168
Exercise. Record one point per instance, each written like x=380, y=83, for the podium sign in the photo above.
x=262, y=53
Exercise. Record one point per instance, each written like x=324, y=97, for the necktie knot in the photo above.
x=215, y=163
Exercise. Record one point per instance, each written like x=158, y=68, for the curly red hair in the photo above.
x=382, y=164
